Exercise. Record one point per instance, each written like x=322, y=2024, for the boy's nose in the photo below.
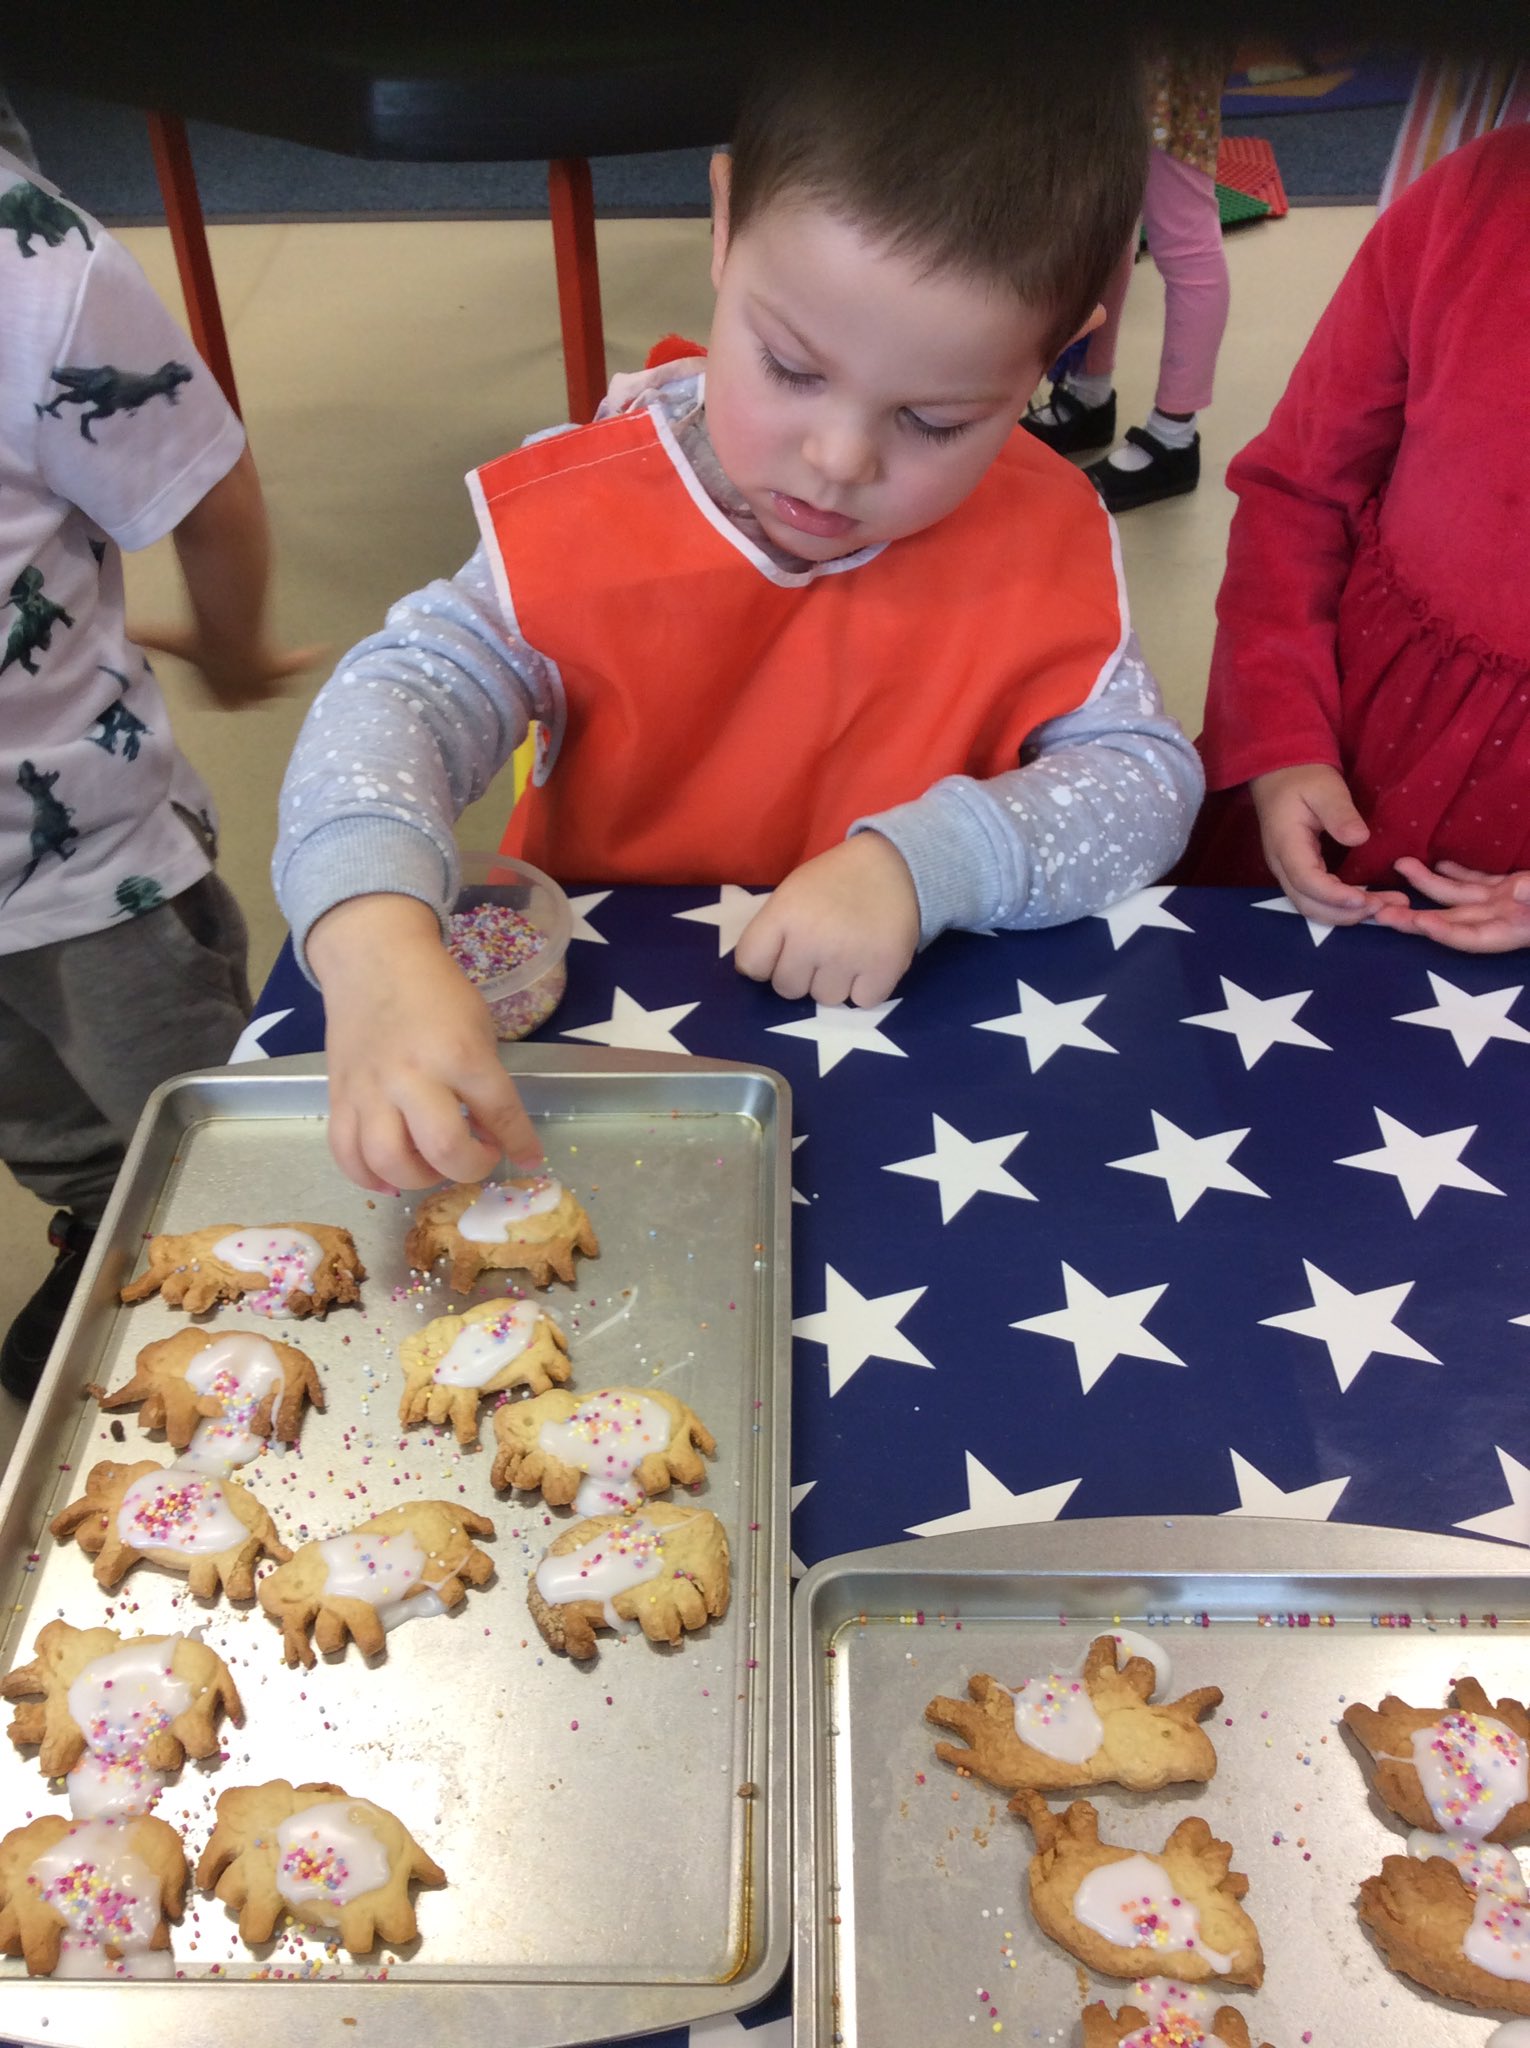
x=841, y=453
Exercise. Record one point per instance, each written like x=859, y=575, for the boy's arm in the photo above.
x=1104, y=806
x=224, y=548
x=412, y=727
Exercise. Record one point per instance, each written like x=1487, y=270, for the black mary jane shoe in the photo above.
x=1171, y=473
x=1074, y=427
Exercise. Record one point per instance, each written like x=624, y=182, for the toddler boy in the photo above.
x=820, y=619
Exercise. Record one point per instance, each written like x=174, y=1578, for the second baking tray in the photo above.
x=615, y=1836
x=912, y=1918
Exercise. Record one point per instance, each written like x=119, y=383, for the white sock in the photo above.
x=1172, y=433
x=1088, y=390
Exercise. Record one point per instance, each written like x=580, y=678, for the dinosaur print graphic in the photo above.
x=111, y=390
x=32, y=630
x=52, y=822
x=117, y=722
x=27, y=211
x=137, y=895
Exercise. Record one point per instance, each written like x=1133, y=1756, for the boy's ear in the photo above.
x=721, y=177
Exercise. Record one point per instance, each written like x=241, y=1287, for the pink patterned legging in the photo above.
x=1184, y=235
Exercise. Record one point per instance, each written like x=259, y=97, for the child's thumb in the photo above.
x=1336, y=813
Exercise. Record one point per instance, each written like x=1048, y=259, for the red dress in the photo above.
x=1375, y=612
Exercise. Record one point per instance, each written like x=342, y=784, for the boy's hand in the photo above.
x=1297, y=807
x=841, y=928
x=1483, y=913
x=416, y=1090
x=235, y=677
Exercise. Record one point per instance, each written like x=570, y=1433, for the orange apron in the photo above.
x=724, y=719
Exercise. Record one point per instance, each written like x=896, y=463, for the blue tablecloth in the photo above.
x=1188, y=1208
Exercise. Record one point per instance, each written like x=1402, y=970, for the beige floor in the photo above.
x=377, y=363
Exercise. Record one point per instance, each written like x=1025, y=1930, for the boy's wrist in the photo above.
x=373, y=927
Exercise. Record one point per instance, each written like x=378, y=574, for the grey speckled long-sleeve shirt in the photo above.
x=418, y=719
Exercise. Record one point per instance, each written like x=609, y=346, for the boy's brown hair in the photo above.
x=1003, y=156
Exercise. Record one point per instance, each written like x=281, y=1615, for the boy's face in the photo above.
x=851, y=397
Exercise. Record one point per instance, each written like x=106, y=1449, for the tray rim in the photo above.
x=1146, y=1547
x=524, y=2012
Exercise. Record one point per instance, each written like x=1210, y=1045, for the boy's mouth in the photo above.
x=805, y=518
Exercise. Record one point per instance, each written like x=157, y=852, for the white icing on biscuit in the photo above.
x=119, y=1703
x=328, y=1853
x=607, y=1437
x=1132, y=1903
x=499, y=1206
x=288, y=1258
x=480, y=1350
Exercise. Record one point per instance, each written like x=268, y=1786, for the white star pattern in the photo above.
x=991, y=1505
x=1260, y=1496
x=1258, y=1022
x=1189, y=1166
x=1471, y=1020
x=248, y=1044
x=1138, y=913
x=733, y=910
x=838, y=1030
x=854, y=1327
x=799, y=1495
x=797, y=1194
x=1315, y=926
x=1102, y=1327
x=1421, y=1165
x=1047, y=1027
x=1353, y=1326
x=581, y=906
x=1511, y=1524
x=964, y=1167
x=640, y=1030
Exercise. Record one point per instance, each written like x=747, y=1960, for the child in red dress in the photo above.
x=1368, y=719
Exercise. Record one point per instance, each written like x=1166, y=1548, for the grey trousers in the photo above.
x=89, y=1027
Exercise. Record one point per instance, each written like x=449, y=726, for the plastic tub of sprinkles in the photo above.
x=509, y=934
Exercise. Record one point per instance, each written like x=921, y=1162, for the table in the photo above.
x=1188, y=1208
x=400, y=84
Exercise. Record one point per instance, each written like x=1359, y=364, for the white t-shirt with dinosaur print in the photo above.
x=111, y=431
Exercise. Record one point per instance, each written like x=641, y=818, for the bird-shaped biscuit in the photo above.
x=666, y=1569
x=532, y=1225
x=412, y=1560
x=1475, y=1761
x=455, y=1361
x=1178, y=1908
x=1168, y=2015
x=163, y=1723
x=605, y=1451
x=234, y=1386
x=295, y=1269
x=314, y=1852
x=103, y=1890
x=1432, y=1927
x=210, y=1528
x=1014, y=1736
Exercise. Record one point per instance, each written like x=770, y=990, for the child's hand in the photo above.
x=234, y=676
x=1297, y=807
x=416, y=1090
x=1483, y=914
x=841, y=928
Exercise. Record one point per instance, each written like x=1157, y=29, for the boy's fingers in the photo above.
x=345, y=1145
x=389, y=1151
x=496, y=1109
x=759, y=947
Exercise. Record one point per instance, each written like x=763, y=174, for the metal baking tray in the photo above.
x=615, y=1838
x=912, y=1922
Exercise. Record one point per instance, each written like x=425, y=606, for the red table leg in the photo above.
x=188, y=236
x=572, y=206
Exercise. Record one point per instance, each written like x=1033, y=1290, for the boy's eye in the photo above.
x=929, y=432
x=778, y=373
